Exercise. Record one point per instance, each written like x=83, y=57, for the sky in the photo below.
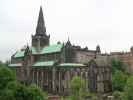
x=108, y=23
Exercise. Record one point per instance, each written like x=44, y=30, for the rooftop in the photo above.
x=48, y=49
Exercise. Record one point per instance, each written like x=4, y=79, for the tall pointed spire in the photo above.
x=40, y=39
x=41, y=29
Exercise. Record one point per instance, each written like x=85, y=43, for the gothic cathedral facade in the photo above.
x=52, y=67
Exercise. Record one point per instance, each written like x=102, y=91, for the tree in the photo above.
x=119, y=80
x=7, y=95
x=118, y=65
x=35, y=93
x=6, y=76
x=22, y=92
x=78, y=88
x=10, y=89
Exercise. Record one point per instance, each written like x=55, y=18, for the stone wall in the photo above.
x=126, y=58
x=84, y=56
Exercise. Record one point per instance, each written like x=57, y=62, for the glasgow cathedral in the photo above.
x=52, y=67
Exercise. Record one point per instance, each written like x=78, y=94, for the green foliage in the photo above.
x=6, y=95
x=21, y=92
x=118, y=65
x=122, y=81
x=10, y=89
x=119, y=80
x=119, y=75
x=35, y=93
x=77, y=86
x=118, y=95
x=79, y=90
x=6, y=76
x=128, y=90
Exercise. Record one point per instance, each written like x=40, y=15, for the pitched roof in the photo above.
x=52, y=49
x=44, y=64
x=19, y=54
x=48, y=49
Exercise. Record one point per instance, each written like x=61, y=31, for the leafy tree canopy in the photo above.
x=128, y=90
x=10, y=89
x=6, y=76
x=118, y=65
x=78, y=87
x=119, y=80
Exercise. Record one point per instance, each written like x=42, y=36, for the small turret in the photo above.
x=98, y=50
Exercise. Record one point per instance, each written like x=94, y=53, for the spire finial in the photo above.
x=68, y=41
x=68, y=38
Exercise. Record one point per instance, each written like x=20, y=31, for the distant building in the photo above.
x=125, y=57
x=53, y=66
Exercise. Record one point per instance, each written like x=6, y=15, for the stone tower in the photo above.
x=40, y=39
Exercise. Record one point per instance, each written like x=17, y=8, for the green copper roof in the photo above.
x=48, y=49
x=71, y=65
x=47, y=63
x=15, y=65
x=52, y=49
x=19, y=54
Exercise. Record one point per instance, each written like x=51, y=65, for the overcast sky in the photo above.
x=108, y=23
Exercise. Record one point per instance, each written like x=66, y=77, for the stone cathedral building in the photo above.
x=52, y=67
